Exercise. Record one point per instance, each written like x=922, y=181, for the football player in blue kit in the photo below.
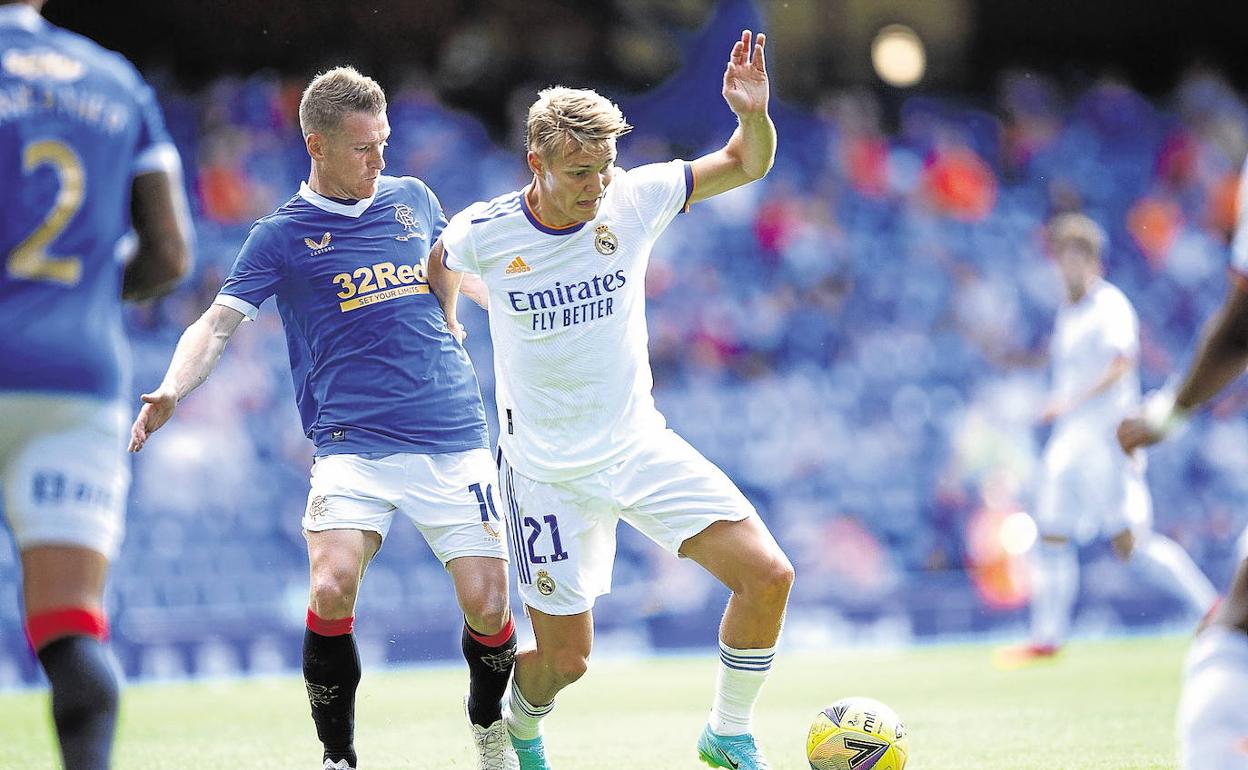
x=85, y=157
x=386, y=393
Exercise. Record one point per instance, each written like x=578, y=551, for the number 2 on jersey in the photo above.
x=30, y=260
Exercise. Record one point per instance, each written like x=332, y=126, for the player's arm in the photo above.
x=474, y=289
x=1117, y=369
x=751, y=150
x=161, y=220
x=1220, y=358
x=445, y=284
x=193, y=360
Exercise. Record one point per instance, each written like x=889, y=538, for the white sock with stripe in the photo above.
x=524, y=720
x=741, y=677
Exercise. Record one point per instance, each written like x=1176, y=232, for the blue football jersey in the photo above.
x=374, y=367
x=77, y=124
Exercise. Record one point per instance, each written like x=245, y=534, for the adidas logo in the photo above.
x=517, y=266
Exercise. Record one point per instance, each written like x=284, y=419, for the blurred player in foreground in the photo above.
x=1088, y=487
x=385, y=392
x=1213, y=713
x=84, y=156
x=581, y=444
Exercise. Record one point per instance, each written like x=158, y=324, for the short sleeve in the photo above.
x=257, y=272
x=460, y=255
x=1122, y=328
x=155, y=150
x=660, y=191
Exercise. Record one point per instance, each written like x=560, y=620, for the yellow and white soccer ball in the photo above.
x=857, y=734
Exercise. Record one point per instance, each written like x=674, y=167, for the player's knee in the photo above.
x=567, y=666
x=1124, y=545
x=772, y=579
x=333, y=593
x=487, y=613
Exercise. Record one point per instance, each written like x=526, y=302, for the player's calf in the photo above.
x=331, y=673
x=84, y=684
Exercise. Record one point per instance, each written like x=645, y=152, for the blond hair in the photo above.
x=335, y=93
x=1077, y=228
x=572, y=116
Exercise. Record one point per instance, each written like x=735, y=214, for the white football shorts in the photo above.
x=562, y=534
x=449, y=497
x=1089, y=487
x=1213, y=710
x=64, y=471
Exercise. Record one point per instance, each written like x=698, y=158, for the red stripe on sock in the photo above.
x=47, y=627
x=339, y=627
x=497, y=640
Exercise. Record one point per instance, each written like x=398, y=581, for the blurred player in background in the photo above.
x=84, y=156
x=1213, y=713
x=1088, y=487
x=582, y=445
x=385, y=392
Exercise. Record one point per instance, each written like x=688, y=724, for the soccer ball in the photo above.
x=857, y=734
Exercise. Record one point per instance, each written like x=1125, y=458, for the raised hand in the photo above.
x=746, y=88
x=157, y=409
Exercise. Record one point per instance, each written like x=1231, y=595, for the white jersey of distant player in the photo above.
x=1089, y=335
x=567, y=318
x=1239, y=244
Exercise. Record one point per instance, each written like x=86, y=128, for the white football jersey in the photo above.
x=1089, y=335
x=568, y=319
x=1239, y=243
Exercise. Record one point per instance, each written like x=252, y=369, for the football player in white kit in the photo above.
x=1213, y=710
x=1088, y=487
x=581, y=443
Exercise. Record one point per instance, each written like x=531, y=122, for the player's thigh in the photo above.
x=352, y=492
x=1073, y=492
x=562, y=540
x=481, y=587
x=1213, y=709
x=65, y=474
x=671, y=493
x=570, y=634
x=452, y=499
x=62, y=576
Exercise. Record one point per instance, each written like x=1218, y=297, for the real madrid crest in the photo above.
x=605, y=241
x=545, y=583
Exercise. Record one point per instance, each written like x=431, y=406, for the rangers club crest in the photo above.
x=411, y=228
x=605, y=241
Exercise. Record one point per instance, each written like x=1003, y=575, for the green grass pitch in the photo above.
x=1100, y=706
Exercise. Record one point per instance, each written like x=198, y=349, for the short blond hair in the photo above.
x=1073, y=227
x=579, y=117
x=335, y=93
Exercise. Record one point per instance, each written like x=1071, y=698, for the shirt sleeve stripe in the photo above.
x=158, y=157
x=236, y=303
x=690, y=184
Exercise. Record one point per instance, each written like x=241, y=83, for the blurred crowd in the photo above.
x=858, y=340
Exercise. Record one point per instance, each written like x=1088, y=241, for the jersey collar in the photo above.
x=20, y=15
x=531, y=215
x=325, y=204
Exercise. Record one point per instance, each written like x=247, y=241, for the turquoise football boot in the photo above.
x=532, y=754
x=734, y=752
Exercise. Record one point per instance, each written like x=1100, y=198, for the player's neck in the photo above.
x=323, y=187
x=532, y=197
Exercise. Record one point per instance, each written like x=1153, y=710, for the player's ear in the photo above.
x=316, y=145
x=535, y=162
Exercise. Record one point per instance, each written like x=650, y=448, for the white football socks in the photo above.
x=740, y=680
x=1054, y=586
x=524, y=720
